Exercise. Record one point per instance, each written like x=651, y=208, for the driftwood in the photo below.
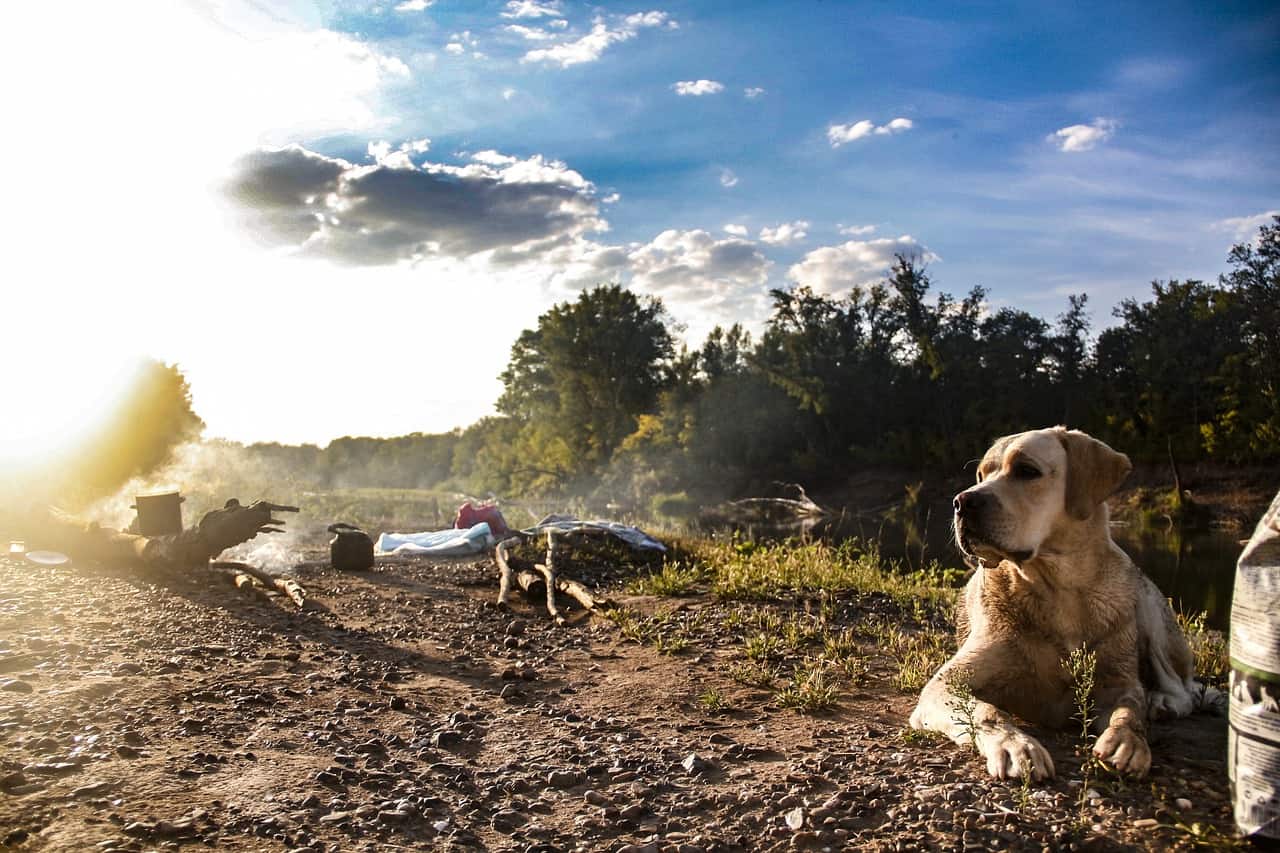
x=802, y=506
x=244, y=575
x=544, y=575
x=188, y=551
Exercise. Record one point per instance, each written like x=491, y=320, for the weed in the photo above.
x=963, y=704
x=1208, y=648
x=1082, y=667
x=713, y=701
x=811, y=689
x=672, y=579
x=921, y=737
x=670, y=644
x=762, y=647
x=753, y=675
x=918, y=657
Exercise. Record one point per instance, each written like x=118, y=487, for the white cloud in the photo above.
x=531, y=9
x=857, y=263
x=592, y=46
x=530, y=33
x=693, y=267
x=1241, y=227
x=508, y=93
x=414, y=5
x=1083, y=137
x=736, y=230
x=397, y=158
x=728, y=179
x=753, y=92
x=697, y=88
x=840, y=134
x=785, y=234
x=454, y=48
x=855, y=230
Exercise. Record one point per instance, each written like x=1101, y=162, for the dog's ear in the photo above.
x=1094, y=472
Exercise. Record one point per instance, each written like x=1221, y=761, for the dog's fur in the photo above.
x=1049, y=580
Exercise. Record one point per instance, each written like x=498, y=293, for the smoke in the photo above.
x=207, y=474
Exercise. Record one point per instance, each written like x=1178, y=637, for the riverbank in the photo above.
x=737, y=697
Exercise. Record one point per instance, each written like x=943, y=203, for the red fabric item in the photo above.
x=469, y=516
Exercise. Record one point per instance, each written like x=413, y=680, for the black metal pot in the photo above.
x=350, y=549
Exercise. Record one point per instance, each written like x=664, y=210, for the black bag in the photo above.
x=350, y=549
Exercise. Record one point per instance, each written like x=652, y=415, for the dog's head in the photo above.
x=1031, y=486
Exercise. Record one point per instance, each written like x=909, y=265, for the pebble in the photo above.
x=562, y=778
x=794, y=818
x=694, y=764
x=1183, y=804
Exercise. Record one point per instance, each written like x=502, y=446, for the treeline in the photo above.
x=599, y=401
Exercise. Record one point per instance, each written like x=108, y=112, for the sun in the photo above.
x=56, y=402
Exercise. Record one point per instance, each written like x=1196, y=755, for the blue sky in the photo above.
x=446, y=170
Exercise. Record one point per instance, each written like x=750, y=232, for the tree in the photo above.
x=152, y=418
x=577, y=383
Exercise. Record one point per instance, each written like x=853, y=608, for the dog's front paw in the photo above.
x=1011, y=754
x=1124, y=749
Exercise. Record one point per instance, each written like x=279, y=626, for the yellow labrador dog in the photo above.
x=1050, y=580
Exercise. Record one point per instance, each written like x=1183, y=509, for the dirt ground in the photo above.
x=402, y=709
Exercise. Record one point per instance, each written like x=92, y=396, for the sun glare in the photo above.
x=52, y=408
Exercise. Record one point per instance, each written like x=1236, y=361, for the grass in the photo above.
x=804, y=657
x=1208, y=648
x=672, y=579
x=769, y=572
x=713, y=701
x=811, y=689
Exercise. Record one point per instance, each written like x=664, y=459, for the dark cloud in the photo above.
x=381, y=214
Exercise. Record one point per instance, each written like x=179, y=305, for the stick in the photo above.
x=549, y=570
x=287, y=586
x=504, y=568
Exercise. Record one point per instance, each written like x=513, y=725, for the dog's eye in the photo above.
x=1023, y=471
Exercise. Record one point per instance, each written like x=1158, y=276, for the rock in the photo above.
x=13, y=685
x=562, y=778
x=516, y=628
x=127, y=668
x=1145, y=823
x=508, y=821
x=1183, y=804
x=336, y=817
x=510, y=693
x=12, y=780
x=94, y=789
x=694, y=764
x=596, y=798
x=447, y=739
x=794, y=819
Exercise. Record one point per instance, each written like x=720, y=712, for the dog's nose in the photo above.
x=968, y=502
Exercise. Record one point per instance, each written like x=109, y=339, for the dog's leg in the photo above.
x=1122, y=742
x=1009, y=752
x=1174, y=691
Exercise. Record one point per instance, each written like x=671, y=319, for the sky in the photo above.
x=336, y=217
